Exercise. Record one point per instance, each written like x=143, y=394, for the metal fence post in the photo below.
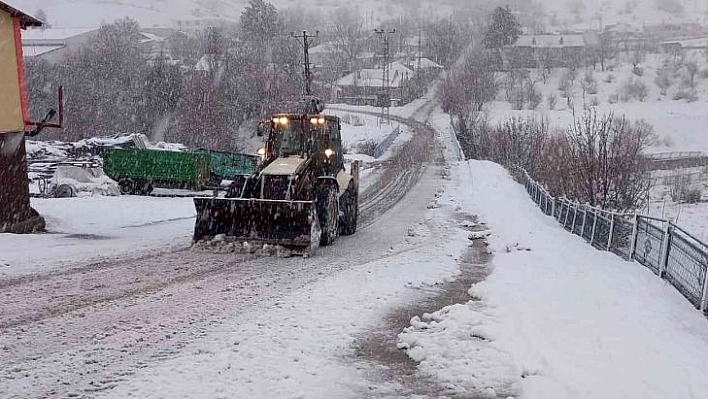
x=575, y=215
x=553, y=208
x=704, y=294
x=612, y=231
x=635, y=234
x=585, y=216
x=594, y=224
x=567, y=211
x=664, y=261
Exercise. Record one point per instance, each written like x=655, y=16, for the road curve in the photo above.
x=81, y=331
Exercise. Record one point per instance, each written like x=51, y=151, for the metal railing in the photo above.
x=663, y=247
x=383, y=146
x=662, y=156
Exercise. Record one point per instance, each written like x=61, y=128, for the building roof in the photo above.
x=53, y=35
x=427, y=63
x=548, y=41
x=374, y=77
x=700, y=42
x=33, y=51
x=324, y=48
x=206, y=63
x=25, y=19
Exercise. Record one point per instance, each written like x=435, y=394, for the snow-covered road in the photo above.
x=83, y=330
x=554, y=318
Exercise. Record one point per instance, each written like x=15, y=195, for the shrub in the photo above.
x=610, y=78
x=594, y=102
x=634, y=89
x=535, y=97
x=663, y=81
x=552, y=100
x=688, y=95
x=367, y=147
x=566, y=84
x=589, y=84
x=682, y=191
x=613, y=98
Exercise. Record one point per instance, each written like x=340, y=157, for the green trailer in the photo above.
x=227, y=165
x=137, y=171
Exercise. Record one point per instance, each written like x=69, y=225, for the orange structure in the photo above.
x=16, y=215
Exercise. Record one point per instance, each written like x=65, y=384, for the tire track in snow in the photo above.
x=82, y=330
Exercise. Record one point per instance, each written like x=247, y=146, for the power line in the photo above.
x=306, y=41
x=385, y=95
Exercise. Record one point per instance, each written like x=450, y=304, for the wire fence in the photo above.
x=664, y=248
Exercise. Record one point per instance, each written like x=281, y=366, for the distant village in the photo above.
x=370, y=72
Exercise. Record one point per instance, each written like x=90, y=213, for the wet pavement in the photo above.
x=379, y=348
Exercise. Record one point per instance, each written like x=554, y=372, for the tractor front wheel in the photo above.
x=349, y=205
x=328, y=211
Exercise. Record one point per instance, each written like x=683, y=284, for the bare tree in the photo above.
x=349, y=34
x=663, y=81
x=608, y=167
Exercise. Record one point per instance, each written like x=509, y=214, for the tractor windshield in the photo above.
x=289, y=138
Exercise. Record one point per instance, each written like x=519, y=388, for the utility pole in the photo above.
x=384, y=97
x=420, y=51
x=306, y=41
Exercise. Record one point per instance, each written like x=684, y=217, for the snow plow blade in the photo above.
x=292, y=224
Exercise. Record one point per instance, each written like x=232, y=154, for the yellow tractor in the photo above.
x=300, y=195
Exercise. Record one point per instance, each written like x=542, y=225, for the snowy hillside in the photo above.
x=678, y=116
x=75, y=13
x=579, y=14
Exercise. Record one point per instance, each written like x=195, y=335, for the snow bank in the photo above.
x=86, y=229
x=556, y=318
x=84, y=181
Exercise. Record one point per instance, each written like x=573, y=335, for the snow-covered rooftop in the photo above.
x=374, y=77
x=546, y=41
x=33, y=51
x=53, y=34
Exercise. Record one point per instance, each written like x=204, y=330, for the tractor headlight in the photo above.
x=283, y=121
x=328, y=152
x=261, y=152
x=313, y=121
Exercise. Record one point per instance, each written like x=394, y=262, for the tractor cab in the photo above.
x=307, y=136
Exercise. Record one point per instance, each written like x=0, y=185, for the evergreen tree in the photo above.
x=503, y=30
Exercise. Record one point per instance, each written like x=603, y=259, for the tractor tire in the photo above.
x=127, y=186
x=349, y=205
x=64, y=191
x=328, y=211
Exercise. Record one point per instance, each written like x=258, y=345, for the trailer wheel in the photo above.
x=127, y=186
x=349, y=205
x=143, y=187
x=328, y=210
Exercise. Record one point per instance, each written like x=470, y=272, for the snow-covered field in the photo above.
x=556, y=318
x=679, y=124
x=559, y=14
x=96, y=228
x=167, y=13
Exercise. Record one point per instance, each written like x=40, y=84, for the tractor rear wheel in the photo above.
x=349, y=204
x=127, y=186
x=328, y=211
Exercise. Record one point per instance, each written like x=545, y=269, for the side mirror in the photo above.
x=262, y=128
